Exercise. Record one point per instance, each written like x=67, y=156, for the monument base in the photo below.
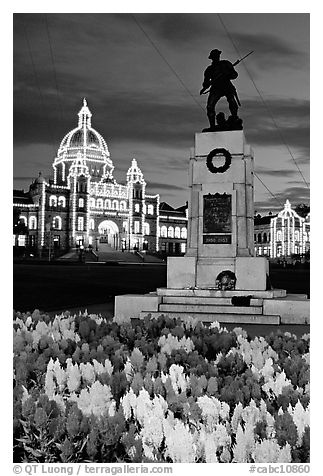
x=191, y=272
x=209, y=305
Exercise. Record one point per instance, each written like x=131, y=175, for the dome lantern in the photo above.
x=83, y=139
x=84, y=115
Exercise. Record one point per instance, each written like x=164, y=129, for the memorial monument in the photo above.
x=219, y=278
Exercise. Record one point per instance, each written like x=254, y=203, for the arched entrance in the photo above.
x=109, y=233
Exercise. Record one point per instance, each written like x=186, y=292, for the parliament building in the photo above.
x=82, y=205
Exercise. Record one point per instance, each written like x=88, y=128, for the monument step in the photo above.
x=222, y=318
x=222, y=301
x=207, y=292
x=204, y=308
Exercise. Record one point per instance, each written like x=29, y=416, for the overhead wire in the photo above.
x=187, y=90
x=165, y=60
x=54, y=68
x=263, y=101
x=37, y=83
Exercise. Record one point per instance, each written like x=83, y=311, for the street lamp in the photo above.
x=49, y=231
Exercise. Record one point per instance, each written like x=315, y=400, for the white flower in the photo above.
x=301, y=418
x=87, y=372
x=268, y=371
x=276, y=384
x=236, y=417
x=129, y=403
x=98, y=367
x=177, y=378
x=211, y=409
x=269, y=451
x=128, y=370
x=25, y=394
x=251, y=414
x=108, y=366
x=60, y=375
x=97, y=399
x=50, y=386
x=73, y=377
x=179, y=443
x=244, y=444
x=143, y=405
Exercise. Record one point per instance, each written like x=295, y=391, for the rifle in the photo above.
x=234, y=64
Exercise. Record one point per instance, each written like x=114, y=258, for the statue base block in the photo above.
x=189, y=271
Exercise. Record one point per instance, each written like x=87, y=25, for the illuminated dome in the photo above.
x=87, y=142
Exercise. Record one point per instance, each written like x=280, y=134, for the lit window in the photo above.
x=170, y=232
x=137, y=207
x=125, y=226
x=99, y=203
x=279, y=235
x=146, y=229
x=92, y=202
x=52, y=201
x=90, y=240
x=177, y=232
x=32, y=223
x=163, y=231
x=115, y=205
x=184, y=233
x=259, y=251
x=123, y=205
x=91, y=224
x=80, y=224
x=137, y=226
x=23, y=219
x=183, y=247
x=57, y=223
x=21, y=240
x=150, y=209
x=61, y=201
x=297, y=235
x=81, y=202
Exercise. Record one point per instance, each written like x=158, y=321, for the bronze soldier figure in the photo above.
x=218, y=77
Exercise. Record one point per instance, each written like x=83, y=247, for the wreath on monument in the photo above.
x=209, y=161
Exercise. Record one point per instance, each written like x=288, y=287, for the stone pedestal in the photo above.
x=221, y=214
x=220, y=240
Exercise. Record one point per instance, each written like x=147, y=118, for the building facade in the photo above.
x=282, y=235
x=83, y=204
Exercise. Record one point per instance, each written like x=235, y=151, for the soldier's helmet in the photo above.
x=214, y=54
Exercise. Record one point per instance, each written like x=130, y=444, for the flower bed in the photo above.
x=157, y=390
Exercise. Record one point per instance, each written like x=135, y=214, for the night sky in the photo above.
x=141, y=75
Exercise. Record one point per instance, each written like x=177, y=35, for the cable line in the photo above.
x=54, y=69
x=264, y=102
x=187, y=90
x=274, y=196
x=38, y=86
x=165, y=60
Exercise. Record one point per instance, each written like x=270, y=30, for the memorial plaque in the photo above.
x=216, y=239
x=217, y=211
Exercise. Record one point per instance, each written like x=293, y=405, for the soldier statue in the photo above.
x=218, y=78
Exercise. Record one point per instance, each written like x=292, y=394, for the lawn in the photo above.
x=51, y=287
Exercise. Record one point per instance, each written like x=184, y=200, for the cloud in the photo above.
x=275, y=173
x=166, y=186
